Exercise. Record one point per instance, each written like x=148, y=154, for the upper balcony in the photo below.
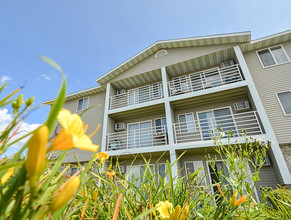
x=205, y=79
x=246, y=123
x=138, y=135
x=137, y=95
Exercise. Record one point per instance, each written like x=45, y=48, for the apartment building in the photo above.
x=164, y=101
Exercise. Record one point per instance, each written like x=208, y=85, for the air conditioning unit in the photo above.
x=120, y=91
x=266, y=160
x=240, y=106
x=227, y=63
x=119, y=126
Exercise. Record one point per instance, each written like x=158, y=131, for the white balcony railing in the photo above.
x=205, y=79
x=203, y=129
x=145, y=137
x=138, y=95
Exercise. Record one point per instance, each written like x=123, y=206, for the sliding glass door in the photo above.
x=211, y=120
x=140, y=134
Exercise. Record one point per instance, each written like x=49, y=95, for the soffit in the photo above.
x=239, y=38
x=266, y=41
x=80, y=94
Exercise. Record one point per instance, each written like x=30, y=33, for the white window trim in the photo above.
x=137, y=129
x=283, y=110
x=232, y=115
x=167, y=174
x=83, y=102
x=155, y=127
x=277, y=64
x=192, y=161
x=195, y=130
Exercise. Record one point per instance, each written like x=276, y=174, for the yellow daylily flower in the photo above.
x=102, y=157
x=36, y=154
x=110, y=174
x=241, y=200
x=65, y=194
x=165, y=209
x=73, y=134
x=7, y=175
x=184, y=213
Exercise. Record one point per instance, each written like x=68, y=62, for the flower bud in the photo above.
x=29, y=101
x=95, y=194
x=7, y=175
x=65, y=194
x=36, y=154
x=19, y=101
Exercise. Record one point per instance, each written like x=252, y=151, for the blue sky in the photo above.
x=90, y=37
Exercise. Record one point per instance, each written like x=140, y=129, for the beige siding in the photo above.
x=92, y=117
x=269, y=81
x=174, y=56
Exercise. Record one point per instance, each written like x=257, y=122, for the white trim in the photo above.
x=83, y=104
x=194, y=124
x=105, y=121
x=270, y=50
x=159, y=51
x=271, y=36
x=281, y=103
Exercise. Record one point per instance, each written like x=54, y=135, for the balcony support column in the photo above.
x=174, y=168
x=276, y=153
x=168, y=108
x=105, y=121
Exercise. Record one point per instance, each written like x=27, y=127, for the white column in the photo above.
x=168, y=108
x=169, y=116
x=105, y=120
x=173, y=158
x=277, y=153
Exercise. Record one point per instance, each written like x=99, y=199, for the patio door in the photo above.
x=140, y=134
x=211, y=120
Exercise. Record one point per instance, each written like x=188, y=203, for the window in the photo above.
x=285, y=101
x=163, y=171
x=161, y=125
x=83, y=104
x=273, y=56
x=193, y=166
x=74, y=170
x=187, y=123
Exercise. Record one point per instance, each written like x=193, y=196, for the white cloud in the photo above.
x=5, y=78
x=6, y=118
x=46, y=77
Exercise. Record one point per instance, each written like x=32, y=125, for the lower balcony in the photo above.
x=208, y=126
x=146, y=136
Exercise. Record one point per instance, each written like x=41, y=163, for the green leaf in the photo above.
x=58, y=103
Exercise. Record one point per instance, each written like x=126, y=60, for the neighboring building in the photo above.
x=164, y=100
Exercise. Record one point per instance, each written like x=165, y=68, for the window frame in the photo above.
x=269, y=49
x=281, y=103
x=194, y=123
x=87, y=97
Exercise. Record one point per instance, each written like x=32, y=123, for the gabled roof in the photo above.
x=267, y=41
x=80, y=94
x=239, y=37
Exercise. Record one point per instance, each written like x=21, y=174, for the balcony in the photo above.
x=205, y=80
x=137, y=138
x=207, y=127
x=136, y=96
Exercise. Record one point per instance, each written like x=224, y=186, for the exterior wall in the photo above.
x=92, y=117
x=174, y=56
x=150, y=117
x=269, y=81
